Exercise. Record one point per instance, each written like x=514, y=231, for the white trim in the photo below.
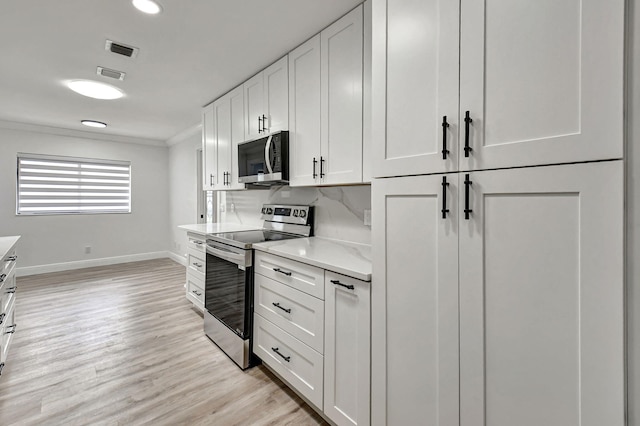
x=79, y=264
x=37, y=128
x=184, y=135
x=181, y=259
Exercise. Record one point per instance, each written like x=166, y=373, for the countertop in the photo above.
x=6, y=243
x=216, y=228
x=345, y=258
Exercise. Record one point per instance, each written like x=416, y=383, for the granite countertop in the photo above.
x=6, y=243
x=345, y=258
x=217, y=228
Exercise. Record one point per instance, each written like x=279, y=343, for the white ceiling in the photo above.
x=191, y=53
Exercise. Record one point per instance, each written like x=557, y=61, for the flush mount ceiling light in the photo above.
x=147, y=6
x=93, y=123
x=95, y=89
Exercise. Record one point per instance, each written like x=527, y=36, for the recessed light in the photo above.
x=95, y=89
x=147, y=6
x=93, y=123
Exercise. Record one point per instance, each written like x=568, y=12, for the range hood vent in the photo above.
x=121, y=49
x=106, y=72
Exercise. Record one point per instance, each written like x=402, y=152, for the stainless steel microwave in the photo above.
x=264, y=160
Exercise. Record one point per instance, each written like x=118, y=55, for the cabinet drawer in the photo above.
x=8, y=262
x=301, y=276
x=196, y=263
x=196, y=242
x=297, y=313
x=295, y=362
x=7, y=329
x=195, y=290
x=7, y=292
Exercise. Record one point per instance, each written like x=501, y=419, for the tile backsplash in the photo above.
x=339, y=211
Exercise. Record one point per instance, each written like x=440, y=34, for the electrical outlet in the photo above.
x=232, y=208
x=87, y=249
x=367, y=217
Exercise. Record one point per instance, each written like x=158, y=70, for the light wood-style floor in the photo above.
x=120, y=345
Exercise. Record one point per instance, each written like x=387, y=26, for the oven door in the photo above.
x=228, y=288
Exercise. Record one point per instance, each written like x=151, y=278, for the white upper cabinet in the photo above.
x=542, y=83
x=415, y=86
x=326, y=105
x=223, y=129
x=266, y=101
x=209, y=149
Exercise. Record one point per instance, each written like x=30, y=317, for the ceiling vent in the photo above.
x=121, y=49
x=106, y=72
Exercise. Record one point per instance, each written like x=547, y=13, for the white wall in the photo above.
x=633, y=213
x=52, y=240
x=183, y=196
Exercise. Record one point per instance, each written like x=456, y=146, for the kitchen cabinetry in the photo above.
x=520, y=84
x=326, y=104
x=223, y=130
x=266, y=101
x=8, y=288
x=536, y=254
x=312, y=327
x=196, y=269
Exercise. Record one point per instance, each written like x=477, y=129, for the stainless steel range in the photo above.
x=228, y=299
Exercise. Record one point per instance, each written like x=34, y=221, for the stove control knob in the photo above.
x=264, y=210
x=269, y=210
x=295, y=213
x=303, y=213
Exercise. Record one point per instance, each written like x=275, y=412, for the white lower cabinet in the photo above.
x=321, y=348
x=196, y=268
x=529, y=261
x=8, y=288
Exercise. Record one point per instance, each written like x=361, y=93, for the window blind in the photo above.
x=68, y=185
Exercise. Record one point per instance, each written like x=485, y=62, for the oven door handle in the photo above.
x=228, y=255
x=267, y=156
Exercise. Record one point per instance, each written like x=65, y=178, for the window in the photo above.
x=68, y=185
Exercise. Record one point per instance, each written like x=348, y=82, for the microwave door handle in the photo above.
x=267, y=156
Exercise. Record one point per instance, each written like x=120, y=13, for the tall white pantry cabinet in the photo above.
x=498, y=208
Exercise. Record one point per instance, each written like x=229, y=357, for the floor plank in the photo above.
x=120, y=345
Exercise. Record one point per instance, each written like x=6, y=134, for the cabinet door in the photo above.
x=304, y=113
x=276, y=96
x=414, y=308
x=347, y=350
x=236, y=98
x=209, y=154
x=222, y=137
x=542, y=81
x=541, y=297
x=253, y=106
x=415, y=84
x=341, y=83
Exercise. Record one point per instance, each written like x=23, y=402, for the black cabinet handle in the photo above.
x=277, y=305
x=467, y=121
x=196, y=293
x=286, y=358
x=210, y=180
x=1, y=368
x=11, y=290
x=2, y=318
x=444, y=210
x=445, y=125
x=13, y=329
x=336, y=282
x=467, y=185
x=2, y=277
x=264, y=123
x=224, y=178
x=197, y=265
x=282, y=272
x=259, y=124
x=322, y=173
x=11, y=258
x=315, y=175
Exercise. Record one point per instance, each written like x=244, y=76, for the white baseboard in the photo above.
x=79, y=264
x=177, y=258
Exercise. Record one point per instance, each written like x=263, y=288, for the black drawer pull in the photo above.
x=2, y=318
x=11, y=290
x=1, y=368
x=286, y=358
x=336, y=282
x=2, y=277
x=196, y=293
x=197, y=265
x=277, y=305
x=13, y=329
x=282, y=272
x=11, y=258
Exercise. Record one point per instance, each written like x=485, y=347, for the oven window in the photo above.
x=227, y=294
